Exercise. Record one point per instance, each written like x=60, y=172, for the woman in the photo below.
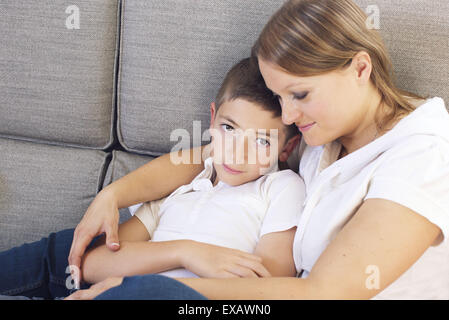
x=375, y=160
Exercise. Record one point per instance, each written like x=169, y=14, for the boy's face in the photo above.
x=246, y=141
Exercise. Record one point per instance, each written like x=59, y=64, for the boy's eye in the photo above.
x=263, y=142
x=227, y=127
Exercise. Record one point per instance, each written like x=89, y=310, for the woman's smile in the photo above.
x=306, y=127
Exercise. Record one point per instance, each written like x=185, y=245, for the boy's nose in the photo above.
x=241, y=150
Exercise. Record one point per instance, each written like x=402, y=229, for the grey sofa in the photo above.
x=82, y=107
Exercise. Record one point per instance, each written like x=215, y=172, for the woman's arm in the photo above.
x=151, y=181
x=158, y=178
x=382, y=234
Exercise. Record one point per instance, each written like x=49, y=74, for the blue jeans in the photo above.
x=150, y=287
x=40, y=270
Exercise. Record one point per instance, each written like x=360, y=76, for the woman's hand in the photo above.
x=102, y=216
x=210, y=261
x=96, y=289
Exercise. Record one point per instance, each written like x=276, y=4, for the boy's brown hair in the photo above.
x=245, y=81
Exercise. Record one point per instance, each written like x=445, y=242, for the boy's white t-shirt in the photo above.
x=229, y=216
x=408, y=165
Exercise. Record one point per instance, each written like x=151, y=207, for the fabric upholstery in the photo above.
x=45, y=188
x=57, y=84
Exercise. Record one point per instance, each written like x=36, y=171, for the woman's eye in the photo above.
x=300, y=96
x=263, y=142
x=227, y=127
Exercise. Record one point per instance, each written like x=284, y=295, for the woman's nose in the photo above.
x=290, y=115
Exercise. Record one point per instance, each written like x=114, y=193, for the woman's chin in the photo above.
x=312, y=142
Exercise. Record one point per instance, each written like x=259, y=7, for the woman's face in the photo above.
x=329, y=103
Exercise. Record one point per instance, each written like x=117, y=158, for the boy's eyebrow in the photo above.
x=261, y=132
x=264, y=133
x=230, y=120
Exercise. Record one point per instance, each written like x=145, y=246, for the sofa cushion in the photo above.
x=416, y=33
x=56, y=83
x=45, y=188
x=121, y=164
x=174, y=56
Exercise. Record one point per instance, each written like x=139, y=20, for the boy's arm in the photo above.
x=133, y=258
x=136, y=256
x=276, y=251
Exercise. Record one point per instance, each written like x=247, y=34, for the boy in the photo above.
x=239, y=201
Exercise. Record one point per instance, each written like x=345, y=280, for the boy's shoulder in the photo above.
x=283, y=179
x=286, y=174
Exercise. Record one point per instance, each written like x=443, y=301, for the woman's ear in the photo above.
x=289, y=147
x=363, y=67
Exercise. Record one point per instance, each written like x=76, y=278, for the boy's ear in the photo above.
x=289, y=147
x=212, y=114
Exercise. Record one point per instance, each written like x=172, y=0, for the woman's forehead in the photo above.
x=276, y=77
x=278, y=80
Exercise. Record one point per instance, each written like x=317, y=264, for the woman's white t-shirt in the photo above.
x=408, y=165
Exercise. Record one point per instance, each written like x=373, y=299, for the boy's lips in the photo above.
x=230, y=170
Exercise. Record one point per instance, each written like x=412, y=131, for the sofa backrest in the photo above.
x=57, y=81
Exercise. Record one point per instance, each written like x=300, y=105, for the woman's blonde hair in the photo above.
x=313, y=37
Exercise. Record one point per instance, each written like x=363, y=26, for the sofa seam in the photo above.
x=114, y=102
x=119, y=75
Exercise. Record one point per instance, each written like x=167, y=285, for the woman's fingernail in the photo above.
x=115, y=244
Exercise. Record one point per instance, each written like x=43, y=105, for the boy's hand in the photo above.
x=102, y=216
x=210, y=261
